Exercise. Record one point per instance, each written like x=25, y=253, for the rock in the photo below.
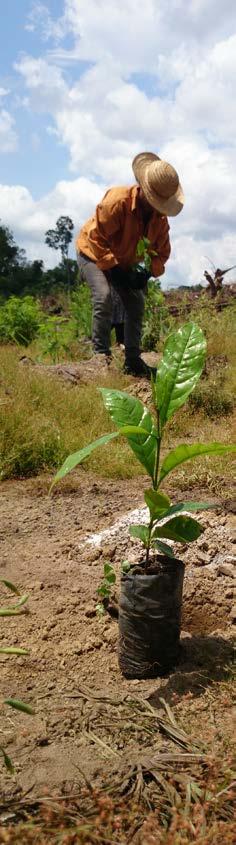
x=233, y=613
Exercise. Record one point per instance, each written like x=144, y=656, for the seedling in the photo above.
x=179, y=370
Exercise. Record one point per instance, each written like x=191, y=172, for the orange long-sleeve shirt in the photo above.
x=112, y=235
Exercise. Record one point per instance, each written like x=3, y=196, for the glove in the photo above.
x=135, y=278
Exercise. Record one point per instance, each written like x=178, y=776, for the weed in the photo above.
x=20, y=320
x=42, y=418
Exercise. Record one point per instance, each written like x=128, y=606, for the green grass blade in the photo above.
x=7, y=761
x=180, y=368
x=186, y=453
x=20, y=705
x=10, y=586
x=126, y=410
x=12, y=650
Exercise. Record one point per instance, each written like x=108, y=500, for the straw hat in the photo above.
x=159, y=182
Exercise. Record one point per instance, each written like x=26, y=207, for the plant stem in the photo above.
x=155, y=487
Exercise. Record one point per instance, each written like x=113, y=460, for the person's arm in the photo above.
x=163, y=249
x=108, y=221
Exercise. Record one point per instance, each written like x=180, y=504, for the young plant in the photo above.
x=179, y=370
x=104, y=590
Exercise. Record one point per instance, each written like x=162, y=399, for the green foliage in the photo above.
x=61, y=236
x=54, y=338
x=81, y=311
x=104, y=590
x=20, y=320
x=179, y=371
x=156, y=319
x=125, y=409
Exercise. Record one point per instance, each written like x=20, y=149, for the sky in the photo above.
x=85, y=85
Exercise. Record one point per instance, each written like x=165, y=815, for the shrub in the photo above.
x=20, y=320
x=81, y=311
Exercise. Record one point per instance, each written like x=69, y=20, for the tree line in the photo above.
x=19, y=277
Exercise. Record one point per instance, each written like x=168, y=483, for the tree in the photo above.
x=60, y=238
x=10, y=254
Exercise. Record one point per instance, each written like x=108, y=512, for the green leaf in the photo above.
x=156, y=502
x=13, y=650
x=20, y=705
x=182, y=529
x=108, y=569
x=186, y=453
x=126, y=410
x=10, y=586
x=180, y=368
x=164, y=548
x=140, y=531
x=104, y=590
x=189, y=506
x=111, y=578
x=7, y=761
x=77, y=457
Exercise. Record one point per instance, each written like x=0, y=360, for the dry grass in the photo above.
x=156, y=796
x=42, y=420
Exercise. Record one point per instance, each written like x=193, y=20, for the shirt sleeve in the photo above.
x=163, y=249
x=108, y=221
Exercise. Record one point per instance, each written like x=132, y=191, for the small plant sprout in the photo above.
x=179, y=371
x=104, y=591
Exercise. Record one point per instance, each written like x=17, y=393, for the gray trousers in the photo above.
x=133, y=301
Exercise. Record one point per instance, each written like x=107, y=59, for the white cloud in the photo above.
x=29, y=219
x=8, y=136
x=40, y=19
x=107, y=115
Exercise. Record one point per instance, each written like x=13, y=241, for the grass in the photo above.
x=42, y=419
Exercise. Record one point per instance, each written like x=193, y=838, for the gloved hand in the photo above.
x=136, y=277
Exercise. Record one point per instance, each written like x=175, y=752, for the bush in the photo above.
x=20, y=320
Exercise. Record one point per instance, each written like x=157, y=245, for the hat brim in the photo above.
x=168, y=207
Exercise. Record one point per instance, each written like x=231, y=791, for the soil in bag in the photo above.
x=150, y=618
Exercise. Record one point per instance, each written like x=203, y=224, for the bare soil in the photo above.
x=45, y=551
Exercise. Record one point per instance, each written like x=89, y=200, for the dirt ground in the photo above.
x=45, y=550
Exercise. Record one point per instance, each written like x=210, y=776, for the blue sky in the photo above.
x=87, y=84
